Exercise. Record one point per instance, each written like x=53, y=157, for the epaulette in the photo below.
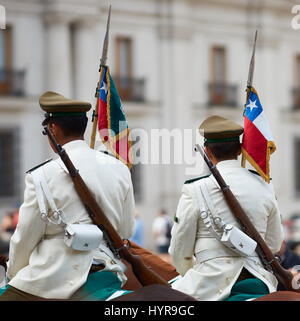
x=192, y=180
x=253, y=172
x=256, y=173
x=36, y=167
x=106, y=152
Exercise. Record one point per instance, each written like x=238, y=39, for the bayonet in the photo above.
x=106, y=41
x=252, y=63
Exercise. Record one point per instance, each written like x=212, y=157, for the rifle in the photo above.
x=270, y=261
x=143, y=273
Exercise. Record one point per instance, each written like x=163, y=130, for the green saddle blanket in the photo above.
x=248, y=289
x=2, y=290
x=100, y=286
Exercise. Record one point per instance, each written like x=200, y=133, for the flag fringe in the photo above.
x=113, y=139
x=271, y=147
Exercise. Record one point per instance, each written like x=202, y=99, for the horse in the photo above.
x=157, y=292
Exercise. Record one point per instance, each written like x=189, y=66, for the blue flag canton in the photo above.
x=253, y=106
x=103, y=86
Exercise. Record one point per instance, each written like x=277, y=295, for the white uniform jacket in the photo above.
x=39, y=262
x=213, y=278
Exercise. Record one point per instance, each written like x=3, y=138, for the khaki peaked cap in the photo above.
x=219, y=129
x=54, y=103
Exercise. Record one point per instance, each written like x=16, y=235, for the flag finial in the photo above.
x=106, y=40
x=252, y=62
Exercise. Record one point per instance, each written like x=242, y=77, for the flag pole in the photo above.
x=249, y=82
x=102, y=65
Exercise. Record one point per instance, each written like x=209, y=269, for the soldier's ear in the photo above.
x=210, y=155
x=208, y=151
x=54, y=128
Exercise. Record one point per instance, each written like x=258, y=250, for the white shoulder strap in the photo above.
x=228, y=235
x=39, y=192
x=208, y=212
x=43, y=192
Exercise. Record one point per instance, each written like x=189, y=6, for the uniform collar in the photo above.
x=228, y=163
x=74, y=144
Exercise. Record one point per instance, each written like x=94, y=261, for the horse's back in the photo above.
x=155, y=292
x=280, y=296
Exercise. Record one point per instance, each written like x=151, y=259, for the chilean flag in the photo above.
x=257, y=143
x=112, y=124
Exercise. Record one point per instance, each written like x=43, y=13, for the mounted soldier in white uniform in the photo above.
x=41, y=265
x=209, y=269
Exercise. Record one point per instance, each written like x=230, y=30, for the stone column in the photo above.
x=59, y=56
x=175, y=57
x=87, y=50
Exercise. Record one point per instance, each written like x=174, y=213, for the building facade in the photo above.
x=174, y=62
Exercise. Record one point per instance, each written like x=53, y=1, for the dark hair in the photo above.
x=71, y=125
x=224, y=150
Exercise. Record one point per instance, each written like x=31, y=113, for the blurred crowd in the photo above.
x=292, y=227
x=161, y=233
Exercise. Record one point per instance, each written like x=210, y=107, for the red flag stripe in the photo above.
x=257, y=150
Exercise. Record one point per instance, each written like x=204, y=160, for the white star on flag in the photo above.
x=104, y=87
x=252, y=104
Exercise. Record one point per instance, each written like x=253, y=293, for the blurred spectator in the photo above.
x=161, y=230
x=7, y=228
x=16, y=218
x=7, y=224
x=138, y=235
x=295, y=228
x=292, y=226
x=289, y=259
x=294, y=246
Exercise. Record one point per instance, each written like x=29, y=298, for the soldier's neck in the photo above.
x=65, y=140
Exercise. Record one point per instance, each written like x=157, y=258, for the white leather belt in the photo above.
x=207, y=255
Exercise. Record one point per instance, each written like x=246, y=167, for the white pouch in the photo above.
x=83, y=237
x=238, y=240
